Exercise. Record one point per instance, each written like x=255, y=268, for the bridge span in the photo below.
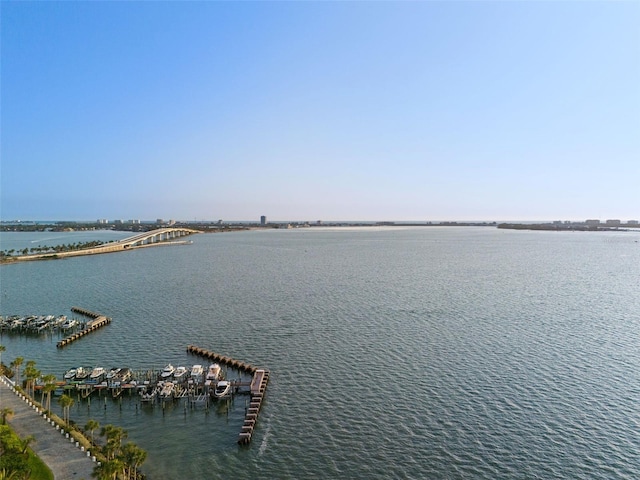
x=155, y=236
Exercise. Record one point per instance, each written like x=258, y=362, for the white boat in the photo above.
x=197, y=372
x=223, y=389
x=69, y=323
x=166, y=390
x=82, y=373
x=70, y=374
x=179, y=372
x=97, y=374
x=112, y=373
x=124, y=375
x=167, y=371
x=214, y=372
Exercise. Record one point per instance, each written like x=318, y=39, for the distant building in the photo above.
x=172, y=222
x=102, y=221
x=632, y=222
x=135, y=222
x=612, y=223
x=592, y=223
x=263, y=220
x=319, y=222
x=159, y=221
x=118, y=222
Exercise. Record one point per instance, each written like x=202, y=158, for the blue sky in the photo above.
x=320, y=110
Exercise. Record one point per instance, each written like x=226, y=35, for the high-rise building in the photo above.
x=263, y=220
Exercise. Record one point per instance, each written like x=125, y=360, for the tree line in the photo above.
x=53, y=249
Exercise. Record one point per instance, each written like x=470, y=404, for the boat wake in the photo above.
x=265, y=440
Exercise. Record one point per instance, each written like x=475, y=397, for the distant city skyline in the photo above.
x=333, y=111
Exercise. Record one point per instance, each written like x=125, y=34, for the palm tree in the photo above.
x=132, y=456
x=31, y=373
x=5, y=412
x=26, y=441
x=91, y=426
x=8, y=474
x=49, y=387
x=114, y=435
x=108, y=470
x=16, y=364
x=66, y=402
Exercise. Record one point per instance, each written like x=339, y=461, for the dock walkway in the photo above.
x=65, y=460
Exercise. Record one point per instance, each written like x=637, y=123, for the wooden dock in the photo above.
x=216, y=357
x=97, y=321
x=258, y=389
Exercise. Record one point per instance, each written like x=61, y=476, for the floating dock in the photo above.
x=258, y=388
x=97, y=321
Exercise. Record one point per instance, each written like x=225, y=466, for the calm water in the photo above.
x=395, y=353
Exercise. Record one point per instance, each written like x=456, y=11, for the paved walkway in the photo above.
x=65, y=460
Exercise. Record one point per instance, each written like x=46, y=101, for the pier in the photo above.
x=216, y=357
x=97, y=321
x=258, y=389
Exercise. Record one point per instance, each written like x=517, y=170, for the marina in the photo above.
x=38, y=324
x=150, y=386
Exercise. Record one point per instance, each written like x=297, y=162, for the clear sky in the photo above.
x=463, y=110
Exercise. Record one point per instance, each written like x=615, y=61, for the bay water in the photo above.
x=417, y=352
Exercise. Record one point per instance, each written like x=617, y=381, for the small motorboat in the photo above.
x=214, y=372
x=167, y=371
x=197, y=372
x=179, y=372
x=223, y=389
x=166, y=390
x=82, y=373
x=97, y=374
x=70, y=374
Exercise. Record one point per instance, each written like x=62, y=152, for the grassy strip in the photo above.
x=25, y=465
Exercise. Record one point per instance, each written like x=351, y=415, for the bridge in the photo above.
x=160, y=236
x=155, y=236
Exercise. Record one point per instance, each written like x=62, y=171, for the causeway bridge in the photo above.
x=160, y=236
x=155, y=236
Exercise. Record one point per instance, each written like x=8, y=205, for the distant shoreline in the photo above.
x=117, y=247
x=573, y=227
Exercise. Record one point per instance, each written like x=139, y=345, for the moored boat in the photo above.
x=70, y=374
x=82, y=373
x=179, y=372
x=223, y=389
x=97, y=374
x=197, y=371
x=167, y=371
x=214, y=372
x=166, y=389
